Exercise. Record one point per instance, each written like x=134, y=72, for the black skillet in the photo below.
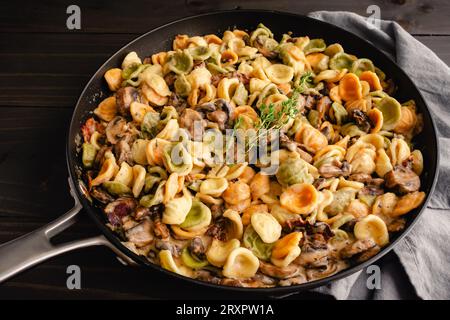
x=35, y=247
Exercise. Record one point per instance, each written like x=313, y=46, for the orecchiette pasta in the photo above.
x=176, y=210
x=219, y=251
x=247, y=157
x=241, y=263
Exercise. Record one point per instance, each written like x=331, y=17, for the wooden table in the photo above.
x=44, y=67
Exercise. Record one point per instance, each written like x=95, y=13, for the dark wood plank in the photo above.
x=33, y=174
x=48, y=70
x=133, y=16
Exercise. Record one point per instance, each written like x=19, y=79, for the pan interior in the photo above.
x=161, y=38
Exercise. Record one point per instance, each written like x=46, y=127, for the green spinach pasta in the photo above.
x=346, y=171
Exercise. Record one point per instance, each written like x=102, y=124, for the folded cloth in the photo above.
x=424, y=253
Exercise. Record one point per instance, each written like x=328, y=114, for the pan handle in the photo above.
x=35, y=247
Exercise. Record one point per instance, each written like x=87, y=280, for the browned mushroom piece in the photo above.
x=99, y=157
x=101, y=195
x=301, y=102
x=243, y=78
x=335, y=168
x=332, y=267
x=141, y=234
x=216, y=210
x=366, y=179
x=402, y=178
x=318, y=233
x=218, y=111
x=260, y=44
x=323, y=105
x=264, y=279
x=141, y=212
x=160, y=229
x=312, y=257
x=361, y=119
x=311, y=101
x=193, y=122
x=196, y=247
x=396, y=225
x=314, y=250
x=257, y=281
x=116, y=129
x=295, y=223
x=371, y=190
x=357, y=247
x=174, y=249
x=279, y=272
x=122, y=150
x=124, y=97
x=220, y=117
x=119, y=209
x=218, y=230
x=208, y=276
x=177, y=102
x=369, y=253
x=299, y=279
x=294, y=146
x=170, y=78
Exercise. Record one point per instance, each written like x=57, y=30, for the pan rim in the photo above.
x=278, y=289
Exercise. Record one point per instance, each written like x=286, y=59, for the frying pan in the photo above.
x=35, y=247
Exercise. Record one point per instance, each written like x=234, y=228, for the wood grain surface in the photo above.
x=44, y=67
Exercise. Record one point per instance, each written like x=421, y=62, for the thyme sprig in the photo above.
x=274, y=118
x=305, y=81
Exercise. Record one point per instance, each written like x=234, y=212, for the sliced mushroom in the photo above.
x=369, y=253
x=261, y=44
x=116, y=129
x=403, y=178
x=366, y=179
x=318, y=234
x=371, y=190
x=141, y=212
x=196, y=247
x=101, y=195
x=100, y=156
x=193, y=122
x=265, y=280
x=299, y=279
x=294, y=146
x=160, y=229
x=206, y=275
x=396, y=225
x=122, y=151
x=220, y=117
x=124, y=97
x=361, y=119
x=216, y=210
x=323, y=105
x=177, y=102
x=335, y=169
x=314, y=250
x=141, y=234
x=174, y=249
x=218, y=230
x=119, y=209
x=331, y=268
x=357, y=247
x=218, y=111
x=310, y=101
x=271, y=270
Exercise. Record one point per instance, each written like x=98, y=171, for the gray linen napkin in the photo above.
x=425, y=251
